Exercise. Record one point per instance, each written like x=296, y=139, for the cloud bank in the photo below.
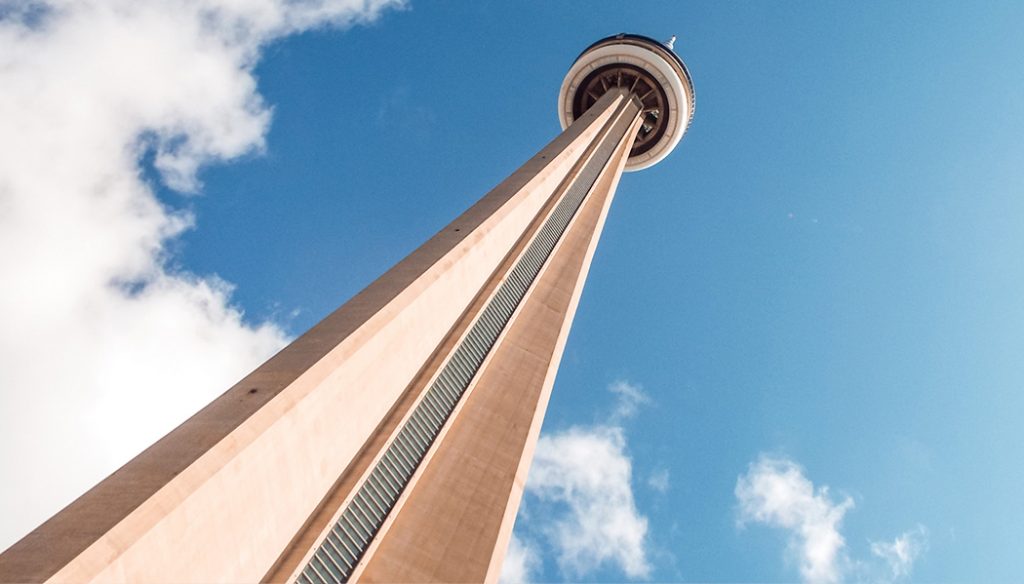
x=775, y=492
x=103, y=346
x=522, y=560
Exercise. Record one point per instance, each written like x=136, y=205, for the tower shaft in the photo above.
x=453, y=520
x=391, y=442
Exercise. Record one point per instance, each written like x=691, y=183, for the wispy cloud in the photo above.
x=628, y=399
x=775, y=492
x=901, y=553
x=104, y=347
x=659, y=480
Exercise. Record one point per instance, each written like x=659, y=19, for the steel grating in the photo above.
x=340, y=551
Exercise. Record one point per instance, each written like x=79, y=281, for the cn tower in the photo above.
x=392, y=441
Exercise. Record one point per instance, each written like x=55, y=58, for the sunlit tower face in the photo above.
x=392, y=441
x=645, y=68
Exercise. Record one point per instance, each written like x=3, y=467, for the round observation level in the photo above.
x=652, y=72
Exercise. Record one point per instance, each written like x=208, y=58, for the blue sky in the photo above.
x=822, y=283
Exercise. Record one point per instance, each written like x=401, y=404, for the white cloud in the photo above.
x=521, y=562
x=628, y=399
x=587, y=473
x=901, y=553
x=659, y=480
x=581, y=501
x=775, y=492
x=103, y=347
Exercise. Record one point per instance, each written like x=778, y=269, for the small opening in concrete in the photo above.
x=253, y=390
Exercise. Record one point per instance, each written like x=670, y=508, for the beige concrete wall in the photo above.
x=312, y=535
x=455, y=519
x=220, y=497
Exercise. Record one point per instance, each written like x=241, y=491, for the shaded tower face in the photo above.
x=392, y=441
x=645, y=68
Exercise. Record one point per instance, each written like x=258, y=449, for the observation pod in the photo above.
x=649, y=70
